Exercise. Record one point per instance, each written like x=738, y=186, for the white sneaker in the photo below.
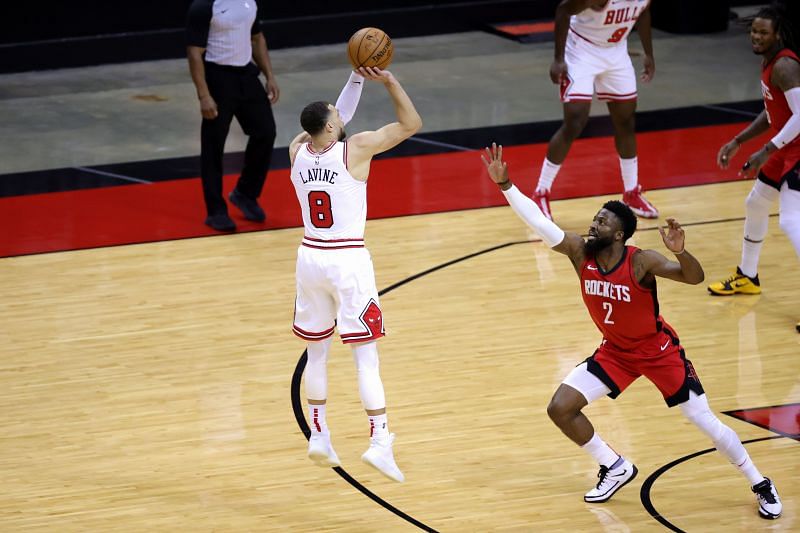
x=611, y=481
x=380, y=456
x=321, y=452
x=769, y=503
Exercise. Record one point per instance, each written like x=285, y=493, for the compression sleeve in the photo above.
x=791, y=129
x=529, y=212
x=349, y=97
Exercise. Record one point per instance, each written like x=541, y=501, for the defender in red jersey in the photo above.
x=777, y=163
x=618, y=284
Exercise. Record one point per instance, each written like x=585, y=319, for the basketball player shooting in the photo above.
x=335, y=279
x=618, y=285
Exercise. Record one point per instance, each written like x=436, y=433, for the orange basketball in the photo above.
x=370, y=47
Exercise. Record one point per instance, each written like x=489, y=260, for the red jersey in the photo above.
x=625, y=312
x=778, y=110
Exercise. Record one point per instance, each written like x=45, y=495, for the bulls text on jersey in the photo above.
x=618, y=16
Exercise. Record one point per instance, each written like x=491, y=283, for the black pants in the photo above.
x=239, y=93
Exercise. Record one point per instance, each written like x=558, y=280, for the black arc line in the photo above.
x=299, y=415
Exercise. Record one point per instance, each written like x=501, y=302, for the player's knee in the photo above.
x=757, y=204
x=573, y=126
x=560, y=409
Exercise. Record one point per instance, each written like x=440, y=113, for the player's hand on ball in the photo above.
x=497, y=168
x=376, y=74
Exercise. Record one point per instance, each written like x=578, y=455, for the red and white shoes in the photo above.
x=542, y=199
x=639, y=204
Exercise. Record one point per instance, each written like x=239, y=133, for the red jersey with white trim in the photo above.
x=778, y=110
x=625, y=312
x=333, y=202
x=609, y=25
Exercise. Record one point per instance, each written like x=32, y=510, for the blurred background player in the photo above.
x=618, y=285
x=335, y=278
x=591, y=56
x=777, y=163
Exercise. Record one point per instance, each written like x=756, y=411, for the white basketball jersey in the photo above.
x=610, y=25
x=333, y=202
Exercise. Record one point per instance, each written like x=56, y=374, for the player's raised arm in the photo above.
x=570, y=244
x=686, y=270
x=370, y=143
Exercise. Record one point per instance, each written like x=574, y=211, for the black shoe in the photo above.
x=249, y=207
x=221, y=222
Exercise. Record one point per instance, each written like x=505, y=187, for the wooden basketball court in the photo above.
x=149, y=387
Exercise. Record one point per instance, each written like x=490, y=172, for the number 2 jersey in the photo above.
x=333, y=202
x=625, y=312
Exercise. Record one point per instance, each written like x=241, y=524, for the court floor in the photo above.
x=149, y=375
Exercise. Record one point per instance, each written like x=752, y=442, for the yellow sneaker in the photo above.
x=738, y=283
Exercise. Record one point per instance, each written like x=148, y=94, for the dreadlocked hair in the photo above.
x=782, y=21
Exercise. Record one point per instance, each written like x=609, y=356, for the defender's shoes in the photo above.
x=542, y=199
x=611, y=481
x=380, y=456
x=321, y=452
x=737, y=283
x=769, y=503
x=639, y=203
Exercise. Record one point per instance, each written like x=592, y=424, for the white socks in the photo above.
x=630, y=172
x=628, y=167
x=547, y=175
x=602, y=452
x=316, y=419
x=378, y=426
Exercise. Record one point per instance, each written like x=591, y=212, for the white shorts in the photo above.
x=336, y=288
x=608, y=71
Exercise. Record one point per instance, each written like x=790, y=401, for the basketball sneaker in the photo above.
x=639, y=203
x=321, y=451
x=737, y=283
x=769, y=503
x=611, y=481
x=542, y=199
x=380, y=456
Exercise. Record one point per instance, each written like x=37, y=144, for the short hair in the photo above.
x=314, y=117
x=625, y=216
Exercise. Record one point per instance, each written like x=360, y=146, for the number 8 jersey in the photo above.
x=333, y=202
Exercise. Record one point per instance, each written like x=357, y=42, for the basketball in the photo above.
x=370, y=47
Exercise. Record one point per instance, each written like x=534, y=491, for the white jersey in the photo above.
x=333, y=202
x=610, y=25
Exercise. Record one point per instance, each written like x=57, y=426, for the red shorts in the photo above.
x=670, y=371
x=783, y=165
